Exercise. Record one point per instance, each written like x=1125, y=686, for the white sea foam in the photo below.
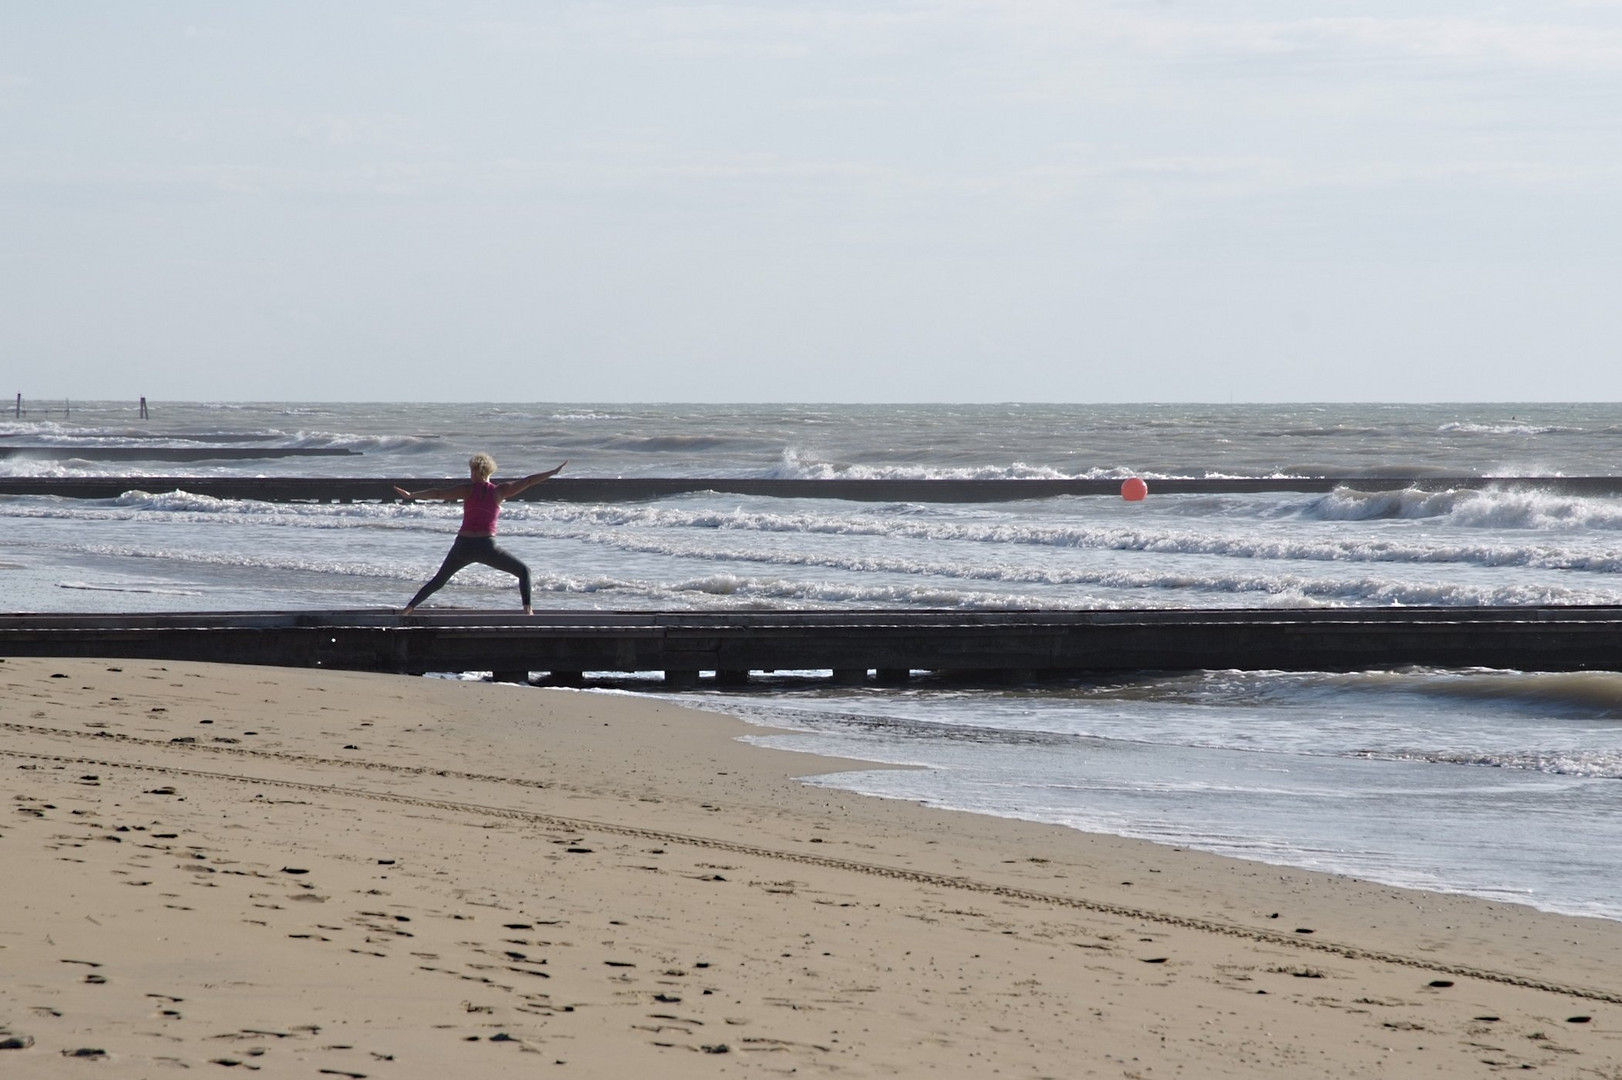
x=1483, y=509
x=182, y=507
x=1245, y=543
x=630, y=526
x=40, y=429
x=1209, y=584
x=24, y=466
x=1598, y=764
x=248, y=561
x=1595, y=765
x=794, y=466
x=1513, y=427
x=373, y=444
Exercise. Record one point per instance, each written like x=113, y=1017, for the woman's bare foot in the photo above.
x=528, y=610
x=407, y=610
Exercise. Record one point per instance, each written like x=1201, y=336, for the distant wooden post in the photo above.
x=143, y=408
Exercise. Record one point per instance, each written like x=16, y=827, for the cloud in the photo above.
x=1545, y=41
x=713, y=29
x=353, y=129
x=1491, y=44
x=1189, y=31
x=262, y=128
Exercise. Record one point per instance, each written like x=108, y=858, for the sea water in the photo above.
x=1496, y=783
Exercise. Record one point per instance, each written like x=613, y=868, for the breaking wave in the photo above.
x=1468, y=508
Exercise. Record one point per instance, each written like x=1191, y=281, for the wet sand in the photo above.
x=313, y=873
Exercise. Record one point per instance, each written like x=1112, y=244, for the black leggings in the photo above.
x=475, y=549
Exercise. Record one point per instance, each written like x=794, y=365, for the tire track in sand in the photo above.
x=920, y=877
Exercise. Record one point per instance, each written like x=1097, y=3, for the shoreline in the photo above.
x=779, y=722
x=619, y=883
x=768, y=732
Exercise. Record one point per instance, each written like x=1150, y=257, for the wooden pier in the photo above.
x=854, y=646
x=637, y=489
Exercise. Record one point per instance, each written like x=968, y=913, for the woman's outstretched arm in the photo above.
x=513, y=487
x=457, y=492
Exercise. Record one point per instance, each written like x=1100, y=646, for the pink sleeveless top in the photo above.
x=479, y=509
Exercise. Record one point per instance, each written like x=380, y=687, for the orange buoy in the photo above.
x=1133, y=489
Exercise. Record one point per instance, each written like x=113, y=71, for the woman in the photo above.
x=476, y=540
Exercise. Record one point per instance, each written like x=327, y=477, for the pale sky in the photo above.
x=823, y=200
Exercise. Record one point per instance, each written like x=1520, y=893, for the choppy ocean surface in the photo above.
x=1496, y=783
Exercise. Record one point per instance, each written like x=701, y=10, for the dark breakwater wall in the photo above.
x=633, y=489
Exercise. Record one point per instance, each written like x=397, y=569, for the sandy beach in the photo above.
x=314, y=874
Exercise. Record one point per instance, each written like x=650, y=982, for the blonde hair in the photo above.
x=482, y=464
